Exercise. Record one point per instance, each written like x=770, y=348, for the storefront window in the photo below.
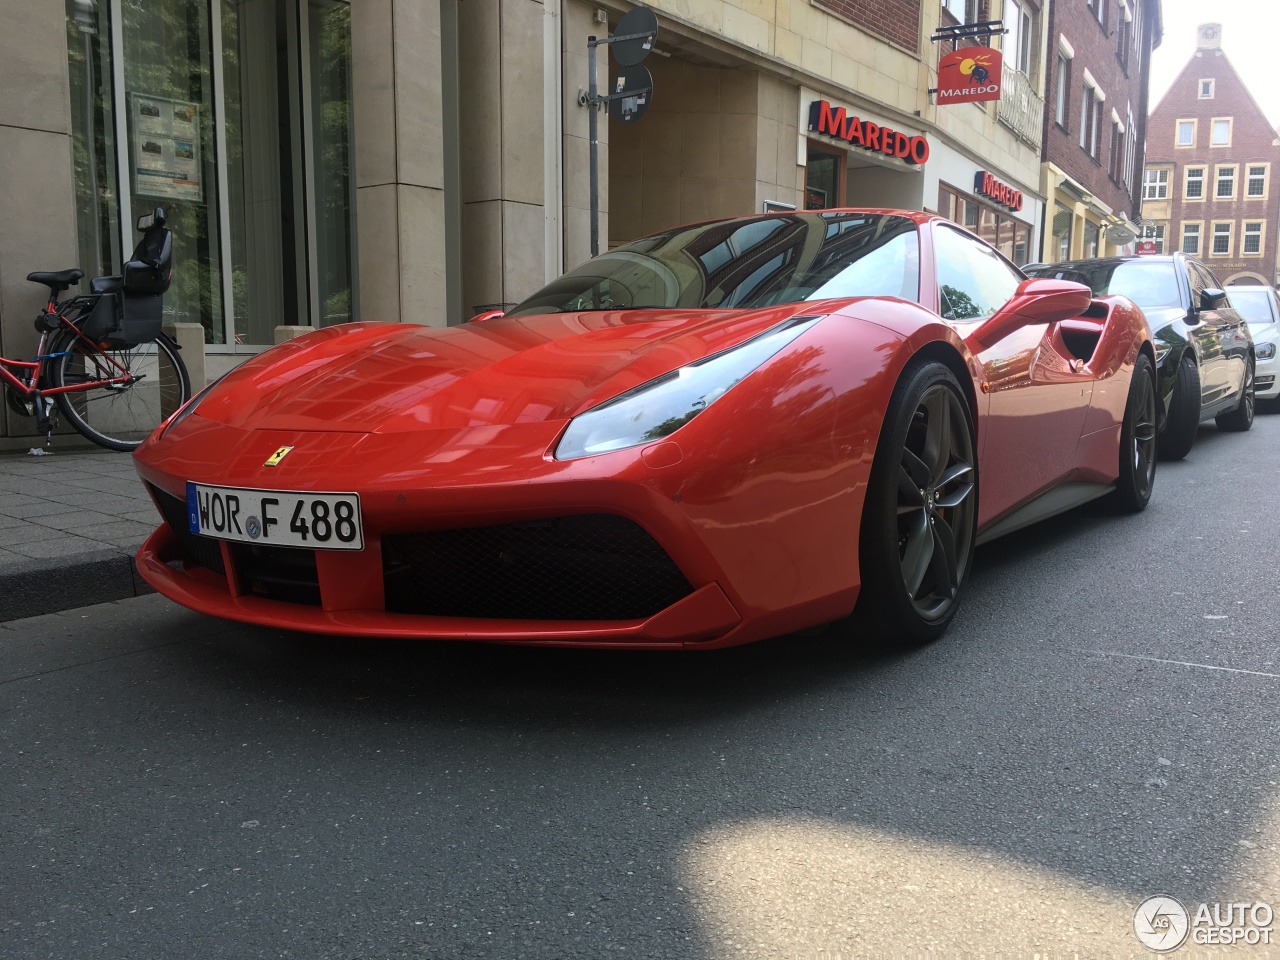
x=93, y=136
x=168, y=76
x=822, y=178
x=334, y=203
x=289, y=183
x=260, y=168
x=1090, y=240
x=251, y=161
x=1062, y=219
x=1009, y=235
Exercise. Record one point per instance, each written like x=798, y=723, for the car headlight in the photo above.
x=188, y=408
x=1264, y=351
x=662, y=406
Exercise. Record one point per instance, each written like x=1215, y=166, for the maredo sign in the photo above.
x=969, y=75
x=1003, y=194
x=835, y=122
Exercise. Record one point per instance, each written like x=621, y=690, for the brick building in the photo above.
x=1211, y=155
x=1095, y=123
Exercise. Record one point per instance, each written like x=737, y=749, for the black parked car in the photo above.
x=1203, y=348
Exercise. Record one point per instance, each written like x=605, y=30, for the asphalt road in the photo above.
x=1099, y=726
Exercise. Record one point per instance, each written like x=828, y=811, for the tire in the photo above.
x=920, y=516
x=1138, y=443
x=1241, y=418
x=1179, y=434
x=121, y=417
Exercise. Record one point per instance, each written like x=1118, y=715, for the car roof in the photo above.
x=1091, y=261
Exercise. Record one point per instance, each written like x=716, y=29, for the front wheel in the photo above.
x=920, y=516
x=1241, y=418
x=118, y=416
x=1179, y=434
x=1138, y=440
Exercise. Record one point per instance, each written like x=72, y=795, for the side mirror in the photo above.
x=1212, y=298
x=486, y=315
x=1038, y=300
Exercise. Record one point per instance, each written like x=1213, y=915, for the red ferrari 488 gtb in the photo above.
x=719, y=433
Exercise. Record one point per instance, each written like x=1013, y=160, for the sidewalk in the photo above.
x=70, y=524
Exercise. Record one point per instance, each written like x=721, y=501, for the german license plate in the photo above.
x=280, y=518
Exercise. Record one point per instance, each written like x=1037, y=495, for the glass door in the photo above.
x=287, y=70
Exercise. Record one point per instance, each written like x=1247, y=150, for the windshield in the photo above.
x=1148, y=283
x=745, y=263
x=1255, y=304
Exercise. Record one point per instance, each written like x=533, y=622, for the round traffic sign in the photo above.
x=642, y=21
x=635, y=84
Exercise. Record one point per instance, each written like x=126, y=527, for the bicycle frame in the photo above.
x=30, y=387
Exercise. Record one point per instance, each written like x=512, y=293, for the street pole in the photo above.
x=593, y=128
x=636, y=31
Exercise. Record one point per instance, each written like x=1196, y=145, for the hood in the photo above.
x=394, y=377
x=1161, y=317
x=1264, y=332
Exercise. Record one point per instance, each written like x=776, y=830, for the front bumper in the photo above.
x=705, y=614
x=1267, y=379
x=743, y=578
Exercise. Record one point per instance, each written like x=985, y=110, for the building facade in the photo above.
x=418, y=160
x=1095, y=124
x=1207, y=187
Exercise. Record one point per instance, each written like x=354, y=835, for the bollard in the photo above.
x=285, y=332
x=190, y=340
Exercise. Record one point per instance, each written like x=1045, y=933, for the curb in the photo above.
x=42, y=587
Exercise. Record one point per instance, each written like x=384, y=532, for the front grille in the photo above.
x=590, y=567
x=200, y=551
x=287, y=574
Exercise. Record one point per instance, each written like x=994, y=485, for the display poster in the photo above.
x=166, y=148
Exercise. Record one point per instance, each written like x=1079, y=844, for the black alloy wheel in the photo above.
x=1138, y=442
x=1241, y=418
x=921, y=512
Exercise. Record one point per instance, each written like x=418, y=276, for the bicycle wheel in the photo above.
x=119, y=416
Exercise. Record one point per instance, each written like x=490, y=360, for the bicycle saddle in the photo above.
x=59, y=281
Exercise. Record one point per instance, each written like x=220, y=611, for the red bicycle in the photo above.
x=103, y=359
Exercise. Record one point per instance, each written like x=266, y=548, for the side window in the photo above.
x=1196, y=279
x=973, y=282
x=1207, y=279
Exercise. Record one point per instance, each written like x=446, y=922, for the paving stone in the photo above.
x=73, y=521
x=113, y=530
x=36, y=508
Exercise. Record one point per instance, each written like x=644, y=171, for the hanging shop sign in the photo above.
x=1003, y=194
x=969, y=75
x=874, y=137
x=1147, y=248
x=166, y=148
